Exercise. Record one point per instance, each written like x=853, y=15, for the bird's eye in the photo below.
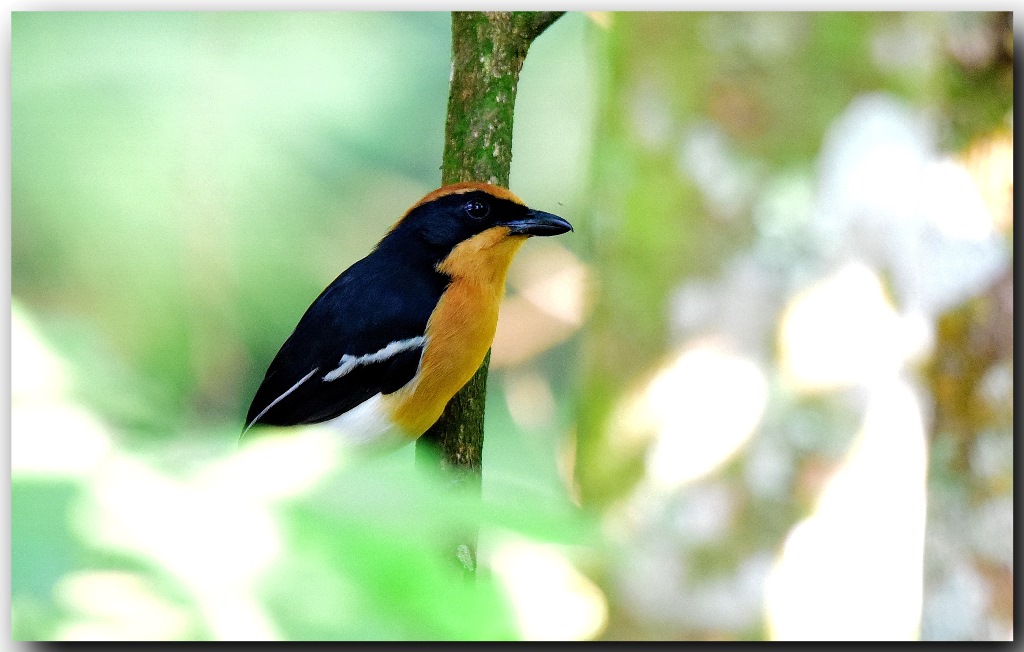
x=477, y=209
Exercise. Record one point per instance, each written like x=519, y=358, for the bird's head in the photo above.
x=472, y=229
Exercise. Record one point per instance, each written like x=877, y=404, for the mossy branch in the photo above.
x=488, y=50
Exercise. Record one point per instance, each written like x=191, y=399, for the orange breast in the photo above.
x=461, y=329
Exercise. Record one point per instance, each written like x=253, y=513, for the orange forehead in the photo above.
x=469, y=186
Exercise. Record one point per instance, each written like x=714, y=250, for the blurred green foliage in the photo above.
x=179, y=167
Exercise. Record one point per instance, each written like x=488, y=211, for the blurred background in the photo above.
x=764, y=391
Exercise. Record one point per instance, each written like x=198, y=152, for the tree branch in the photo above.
x=488, y=50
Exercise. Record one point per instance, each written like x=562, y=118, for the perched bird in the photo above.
x=382, y=350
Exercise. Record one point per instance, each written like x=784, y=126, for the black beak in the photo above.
x=537, y=223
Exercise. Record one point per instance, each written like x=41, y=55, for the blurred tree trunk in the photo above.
x=636, y=234
x=488, y=50
x=970, y=375
x=648, y=230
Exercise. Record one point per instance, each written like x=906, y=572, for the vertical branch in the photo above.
x=488, y=49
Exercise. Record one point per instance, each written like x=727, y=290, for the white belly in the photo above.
x=368, y=426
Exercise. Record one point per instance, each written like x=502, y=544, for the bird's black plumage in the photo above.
x=386, y=297
x=337, y=324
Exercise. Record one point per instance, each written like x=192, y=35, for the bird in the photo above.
x=379, y=353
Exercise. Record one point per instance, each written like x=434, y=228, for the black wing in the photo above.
x=377, y=302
